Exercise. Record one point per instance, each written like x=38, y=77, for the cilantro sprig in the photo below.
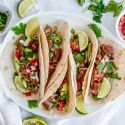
x=115, y=7
x=81, y=2
x=111, y=71
x=32, y=104
x=96, y=30
x=19, y=29
x=98, y=8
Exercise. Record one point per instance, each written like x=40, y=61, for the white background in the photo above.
x=108, y=21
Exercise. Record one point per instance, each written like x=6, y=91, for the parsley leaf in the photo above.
x=115, y=7
x=19, y=29
x=81, y=2
x=96, y=30
x=32, y=104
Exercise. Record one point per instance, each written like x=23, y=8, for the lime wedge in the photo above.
x=25, y=6
x=32, y=26
x=19, y=84
x=104, y=88
x=34, y=120
x=80, y=106
x=83, y=40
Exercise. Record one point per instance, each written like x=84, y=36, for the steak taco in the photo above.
x=28, y=67
x=55, y=45
x=108, y=77
x=59, y=97
x=84, y=48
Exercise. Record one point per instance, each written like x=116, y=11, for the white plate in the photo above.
x=74, y=20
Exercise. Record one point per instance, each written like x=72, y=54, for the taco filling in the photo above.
x=82, y=56
x=26, y=65
x=59, y=99
x=54, y=39
x=104, y=71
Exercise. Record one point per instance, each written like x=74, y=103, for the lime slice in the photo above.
x=80, y=106
x=83, y=40
x=19, y=84
x=25, y=6
x=34, y=120
x=32, y=26
x=104, y=88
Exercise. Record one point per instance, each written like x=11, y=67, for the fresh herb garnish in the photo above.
x=19, y=29
x=32, y=104
x=111, y=68
x=81, y=2
x=115, y=76
x=98, y=8
x=96, y=30
x=115, y=7
x=3, y=20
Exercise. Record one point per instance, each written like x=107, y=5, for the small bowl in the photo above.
x=3, y=8
x=117, y=26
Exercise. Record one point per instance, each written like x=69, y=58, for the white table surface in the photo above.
x=108, y=21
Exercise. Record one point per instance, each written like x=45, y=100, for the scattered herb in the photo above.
x=81, y=2
x=96, y=30
x=19, y=29
x=98, y=8
x=3, y=20
x=32, y=104
x=115, y=7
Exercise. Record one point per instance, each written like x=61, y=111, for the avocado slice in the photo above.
x=16, y=64
x=19, y=84
x=64, y=88
x=80, y=106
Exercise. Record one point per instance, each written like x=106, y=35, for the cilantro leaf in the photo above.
x=81, y=2
x=19, y=29
x=115, y=7
x=32, y=104
x=98, y=8
x=96, y=30
x=115, y=76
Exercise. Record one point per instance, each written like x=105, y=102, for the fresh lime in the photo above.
x=83, y=40
x=34, y=120
x=24, y=6
x=32, y=26
x=20, y=85
x=80, y=106
x=104, y=88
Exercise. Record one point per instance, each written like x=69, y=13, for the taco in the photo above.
x=84, y=48
x=28, y=67
x=108, y=77
x=55, y=45
x=59, y=97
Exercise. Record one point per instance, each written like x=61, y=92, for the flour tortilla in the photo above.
x=63, y=28
x=53, y=88
x=118, y=86
x=7, y=70
x=92, y=38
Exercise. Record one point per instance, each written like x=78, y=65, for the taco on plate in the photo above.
x=108, y=77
